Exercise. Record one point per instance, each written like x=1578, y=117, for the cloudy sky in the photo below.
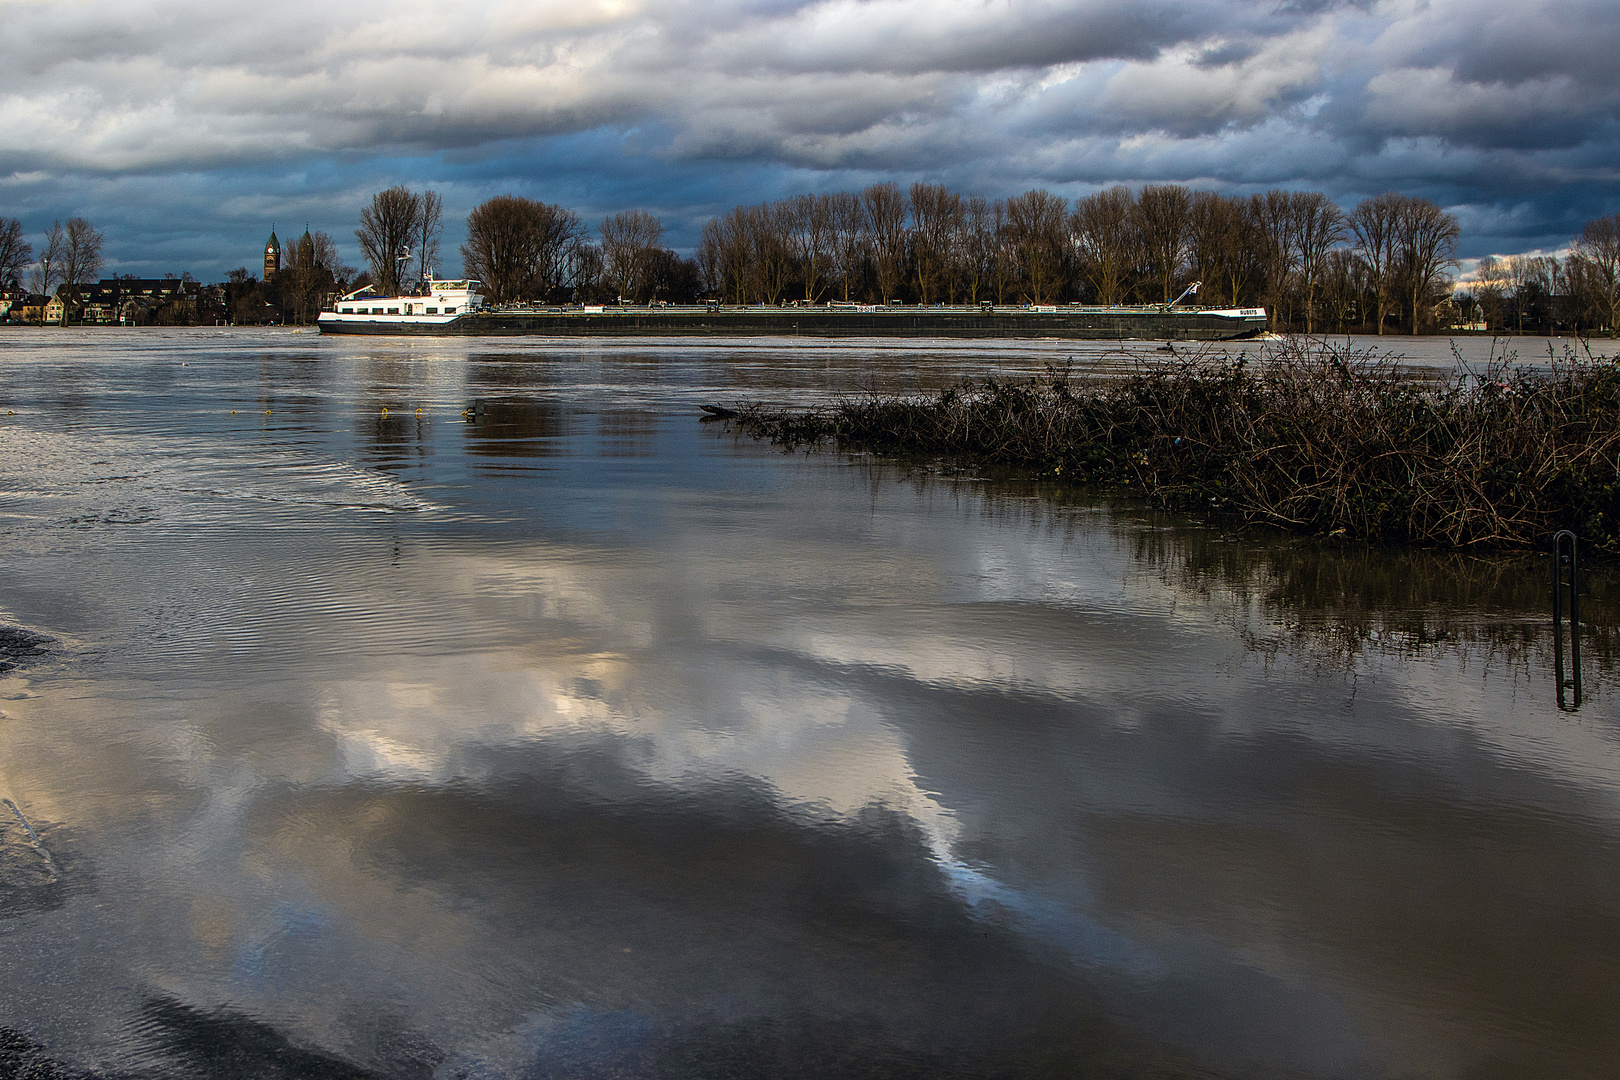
x=185, y=132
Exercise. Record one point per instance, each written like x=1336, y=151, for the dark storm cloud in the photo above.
x=203, y=129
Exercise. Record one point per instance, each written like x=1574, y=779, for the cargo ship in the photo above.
x=455, y=307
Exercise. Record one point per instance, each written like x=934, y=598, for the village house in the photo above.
x=26, y=308
x=13, y=296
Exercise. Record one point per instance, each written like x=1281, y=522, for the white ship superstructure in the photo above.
x=442, y=302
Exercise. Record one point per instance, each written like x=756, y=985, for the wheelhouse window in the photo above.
x=393, y=311
x=432, y=311
x=449, y=311
x=346, y=311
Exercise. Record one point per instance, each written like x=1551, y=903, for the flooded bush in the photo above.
x=1312, y=438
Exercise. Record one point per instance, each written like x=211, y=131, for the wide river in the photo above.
x=471, y=709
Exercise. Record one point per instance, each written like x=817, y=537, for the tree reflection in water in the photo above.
x=1340, y=605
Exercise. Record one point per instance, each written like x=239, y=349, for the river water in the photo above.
x=470, y=709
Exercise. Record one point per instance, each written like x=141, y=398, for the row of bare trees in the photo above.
x=69, y=254
x=1580, y=292
x=930, y=244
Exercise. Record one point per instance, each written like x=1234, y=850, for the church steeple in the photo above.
x=272, y=256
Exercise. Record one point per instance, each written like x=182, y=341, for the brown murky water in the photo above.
x=470, y=709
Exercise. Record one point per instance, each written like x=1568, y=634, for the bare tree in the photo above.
x=770, y=250
x=1344, y=284
x=48, y=273
x=853, y=239
x=1276, y=243
x=1376, y=224
x=744, y=248
x=1222, y=244
x=557, y=236
x=328, y=259
x=954, y=247
x=1530, y=276
x=1579, y=293
x=672, y=278
x=885, y=206
x=1491, y=288
x=1103, y=231
x=710, y=261
x=588, y=272
x=81, y=252
x=1005, y=266
x=429, y=231
x=936, y=219
x=387, y=232
x=1164, y=218
x=1599, y=248
x=520, y=249
x=813, y=236
x=1318, y=229
x=1037, y=223
x=1428, y=246
x=725, y=250
x=15, y=252
x=978, y=247
x=628, y=240
x=499, y=250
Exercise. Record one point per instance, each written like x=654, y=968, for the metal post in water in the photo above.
x=1566, y=574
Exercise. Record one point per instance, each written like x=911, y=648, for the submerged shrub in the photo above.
x=1311, y=439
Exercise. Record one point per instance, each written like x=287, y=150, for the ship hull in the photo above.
x=1094, y=324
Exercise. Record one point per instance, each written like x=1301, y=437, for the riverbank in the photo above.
x=1314, y=439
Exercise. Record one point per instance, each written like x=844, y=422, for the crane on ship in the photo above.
x=1189, y=291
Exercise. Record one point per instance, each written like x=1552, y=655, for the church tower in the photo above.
x=272, y=256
